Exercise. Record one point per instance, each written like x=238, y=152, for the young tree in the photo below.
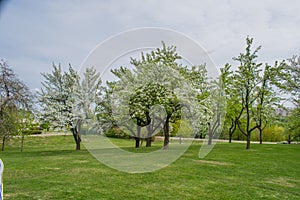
x=247, y=78
x=293, y=124
x=14, y=95
x=9, y=125
x=290, y=77
x=267, y=101
x=234, y=109
x=87, y=94
x=64, y=98
x=56, y=99
x=216, y=108
x=290, y=82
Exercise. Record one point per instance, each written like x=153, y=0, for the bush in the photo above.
x=270, y=134
x=33, y=130
x=45, y=126
x=181, y=128
x=116, y=132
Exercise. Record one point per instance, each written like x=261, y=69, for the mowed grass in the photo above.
x=49, y=168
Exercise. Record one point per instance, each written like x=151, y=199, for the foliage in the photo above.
x=45, y=125
x=116, y=132
x=66, y=100
x=55, y=97
x=154, y=94
x=181, y=128
x=234, y=109
x=293, y=125
x=15, y=98
x=291, y=81
x=272, y=133
x=251, y=99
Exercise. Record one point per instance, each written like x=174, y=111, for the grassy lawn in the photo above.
x=49, y=168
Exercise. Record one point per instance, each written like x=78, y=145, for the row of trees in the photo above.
x=141, y=102
x=251, y=93
x=158, y=94
x=254, y=94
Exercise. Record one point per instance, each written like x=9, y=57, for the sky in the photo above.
x=34, y=34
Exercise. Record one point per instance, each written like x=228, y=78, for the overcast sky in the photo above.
x=33, y=33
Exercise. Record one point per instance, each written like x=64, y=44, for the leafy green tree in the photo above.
x=9, y=125
x=247, y=78
x=14, y=96
x=290, y=82
x=293, y=124
x=158, y=69
x=141, y=106
x=290, y=77
x=146, y=88
x=250, y=93
x=264, y=112
x=233, y=110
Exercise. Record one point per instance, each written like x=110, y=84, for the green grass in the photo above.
x=49, y=168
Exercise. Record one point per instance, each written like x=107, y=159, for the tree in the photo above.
x=155, y=79
x=141, y=106
x=14, y=96
x=233, y=110
x=264, y=111
x=216, y=108
x=293, y=124
x=56, y=100
x=87, y=94
x=290, y=83
x=141, y=91
x=290, y=77
x=9, y=124
x=201, y=87
x=247, y=80
x=65, y=99
x=26, y=119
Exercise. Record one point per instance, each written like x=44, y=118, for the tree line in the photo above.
x=158, y=94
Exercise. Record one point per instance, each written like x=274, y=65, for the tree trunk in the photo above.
x=22, y=143
x=137, y=138
x=230, y=137
x=166, y=133
x=260, y=135
x=232, y=129
x=209, y=139
x=137, y=142
x=149, y=138
x=76, y=137
x=248, y=141
x=3, y=142
x=78, y=144
x=209, y=134
x=148, y=142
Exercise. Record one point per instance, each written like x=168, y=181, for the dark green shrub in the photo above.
x=116, y=132
x=33, y=130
